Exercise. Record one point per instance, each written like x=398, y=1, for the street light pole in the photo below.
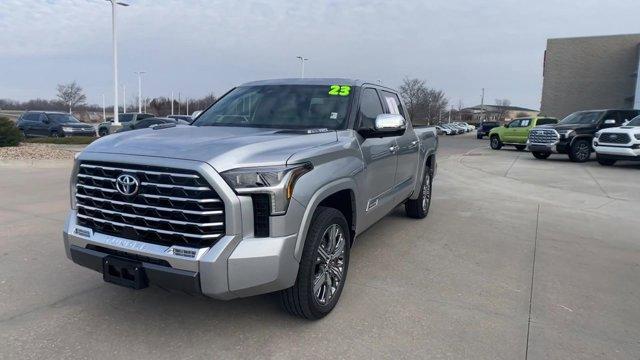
x=115, y=59
x=302, y=60
x=124, y=98
x=139, y=73
x=172, y=103
x=104, y=110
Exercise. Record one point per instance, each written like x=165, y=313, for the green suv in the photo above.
x=516, y=132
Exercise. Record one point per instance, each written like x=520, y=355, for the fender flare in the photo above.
x=589, y=138
x=321, y=194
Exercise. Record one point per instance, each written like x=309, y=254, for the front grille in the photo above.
x=543, y=136
x=172, y=206
x=614, y=138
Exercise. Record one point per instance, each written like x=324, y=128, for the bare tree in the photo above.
x=71, y=94
x=502, y=108
x=414, y=95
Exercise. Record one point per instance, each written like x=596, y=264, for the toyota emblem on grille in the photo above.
x=127, y=184
x=613, y=136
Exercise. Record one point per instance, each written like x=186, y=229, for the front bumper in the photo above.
x=559, y=147
x=237, y=265
x=617, y=152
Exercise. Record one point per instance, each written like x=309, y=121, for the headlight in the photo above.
x=566, y=133
x=637, y=136
x=73, y=181
x=597, y=135
x=277, y=181
x=67, y=129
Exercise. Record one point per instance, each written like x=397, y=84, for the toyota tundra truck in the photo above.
x=265, y=192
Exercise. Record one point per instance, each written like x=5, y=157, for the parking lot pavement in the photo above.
x=518, y=258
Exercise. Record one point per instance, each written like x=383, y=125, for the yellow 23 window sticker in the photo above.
x=341, y=90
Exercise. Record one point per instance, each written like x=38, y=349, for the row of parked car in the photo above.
x=454, y=128
x=60, y=124
x=613, y=135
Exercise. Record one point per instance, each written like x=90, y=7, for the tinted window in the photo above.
x=546, y=121
x=586, y=117
x=281, y=106
x=125, y=117
x=31, y=116
x=144, y=116
x=62, y=118
x=514, y=124
x=392, y=102
x=525, y=122
x=370, y=108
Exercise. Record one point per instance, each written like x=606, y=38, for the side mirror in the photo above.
x=386, y=125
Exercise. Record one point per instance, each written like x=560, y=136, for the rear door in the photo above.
x=407, y=144
x=40, y=127
x=379, y=156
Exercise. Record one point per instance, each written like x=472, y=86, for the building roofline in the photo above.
x=593, y=36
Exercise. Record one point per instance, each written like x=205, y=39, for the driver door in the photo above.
x=510, y=133
x=380, y=158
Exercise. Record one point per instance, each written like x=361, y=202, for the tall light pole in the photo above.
x=124, y=98
x=139, y=73
x=172, y=103
x=104, y=110
x=114, y=5
x=302, y=60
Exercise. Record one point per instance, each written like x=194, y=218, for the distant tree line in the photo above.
x=425, y=105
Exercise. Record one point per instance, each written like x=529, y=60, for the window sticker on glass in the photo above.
x=392, y=104
x=334, y=115
x=340, y=90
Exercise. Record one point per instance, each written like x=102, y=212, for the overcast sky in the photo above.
x=201, y=46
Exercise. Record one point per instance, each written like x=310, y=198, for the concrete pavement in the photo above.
x=518, y=258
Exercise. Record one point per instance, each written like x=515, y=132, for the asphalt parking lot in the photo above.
x=519, y=258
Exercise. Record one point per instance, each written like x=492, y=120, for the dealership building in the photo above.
x=599, y=72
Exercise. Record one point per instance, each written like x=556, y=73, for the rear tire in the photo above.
x=102, y=133
x=313, y=295
x=580, y=151
x=606, y=162
x=540, y=155
x=521, y=147
x=495, y=142
x=419, y=208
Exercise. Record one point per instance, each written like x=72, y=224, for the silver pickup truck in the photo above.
x=266, y=191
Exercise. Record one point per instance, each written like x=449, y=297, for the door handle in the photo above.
x=414, y=143
x=393, y=148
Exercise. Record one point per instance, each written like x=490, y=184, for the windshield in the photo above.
x=281, y=106
x=634, y=122
x=587, y=117
x=63, y=118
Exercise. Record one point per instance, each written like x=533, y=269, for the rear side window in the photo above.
x=370, y=108
x=144, y=116
x=392, y=102
x=546, y=121
x=125, y=117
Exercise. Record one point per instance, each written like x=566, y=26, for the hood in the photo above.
x=559, y=127
x=222, y=147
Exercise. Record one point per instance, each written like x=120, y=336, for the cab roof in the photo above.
x=315, y=81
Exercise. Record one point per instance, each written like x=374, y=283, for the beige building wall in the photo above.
x=589, y=73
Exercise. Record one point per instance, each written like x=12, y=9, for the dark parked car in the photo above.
x=50, y=123
x=148, y=122
x=485, y=127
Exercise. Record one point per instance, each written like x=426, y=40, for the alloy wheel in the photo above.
x=426, y=192
x=330, y=264
x=582, y=151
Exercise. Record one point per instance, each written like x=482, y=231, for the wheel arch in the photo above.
x=341, y=195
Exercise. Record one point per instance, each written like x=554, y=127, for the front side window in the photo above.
x=281, y=106
x=62, y=118
x=547, y=121
x=125, y=118
x=582, y=118
x=514, y=124
x=370, y=108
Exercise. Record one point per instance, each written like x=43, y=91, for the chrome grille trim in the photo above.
x=149, y=217
x=208, y=236
x=173, y=206
x=212, y=212
x=191, y=176
x=543, y=136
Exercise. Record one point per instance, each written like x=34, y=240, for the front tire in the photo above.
x=605, y=162
x=323, y=267
x=56, y=134
x=495, y=142
x=419, y=208
x=580, y=151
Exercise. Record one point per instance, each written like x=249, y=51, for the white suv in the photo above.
x=619, y=143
